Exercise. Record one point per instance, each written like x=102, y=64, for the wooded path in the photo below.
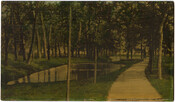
x=132, y=85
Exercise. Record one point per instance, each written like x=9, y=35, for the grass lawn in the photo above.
x=164, y=86
x=79, y=90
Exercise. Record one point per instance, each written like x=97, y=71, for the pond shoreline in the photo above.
x=60, y=73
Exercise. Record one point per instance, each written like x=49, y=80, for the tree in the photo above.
x=33, y=33
x=164, y=9
x=69, y=56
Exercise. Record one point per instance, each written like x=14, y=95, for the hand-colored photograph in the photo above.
x=87, y=50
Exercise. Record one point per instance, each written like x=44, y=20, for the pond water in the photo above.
x=78, y=72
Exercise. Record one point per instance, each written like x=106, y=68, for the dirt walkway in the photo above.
x=133, y=85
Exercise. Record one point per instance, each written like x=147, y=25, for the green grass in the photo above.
x=164, y=86
x=79, y=90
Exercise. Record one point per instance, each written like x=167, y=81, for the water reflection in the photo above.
x=78, y=72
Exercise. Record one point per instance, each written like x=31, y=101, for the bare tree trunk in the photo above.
x=131, y=53
x=48, y=43
x=15, y=41
x=145, y=52
x=160, y=47
x=59, y=51
x=38, y=45
x=52, y=52
x=79, y=36
x=95, y=68
x=72, y=52
x=33, y=35
x=78, y=52
x=141, y=51
x=15, y=48
x=64, y=47
x=44, y=36
x=69, y=61
x=107, y=51
x=55, y=47
x=151, y=56
x=48, y=75
x=120, y=53
x=6, y=47
x=22, y=48
x=32, y=54
x=127, y=56
x=155, y=53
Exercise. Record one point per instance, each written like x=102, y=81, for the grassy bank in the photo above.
x=79, y=90
x=164, y=86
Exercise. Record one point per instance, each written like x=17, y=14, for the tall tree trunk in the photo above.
x=7, y=39
x=55, y=47
x=15, y=48
x=150, y=56
x=48, y=75
x=15, y=40
x=86, y=39
x=44, y=36
x=106, y=52
x=6, y=47
x=141, y=51
x=145, y=52
x=72, y=52
x=95, y=56
x=69, y=57
x=52, y=52
x=95, y=68
x=48, y=42
x=33, y=53
x=160, y=46
x=33, y=36
x=59, y=50
x=79, y=37
x=78, y=52
x=64, y=48
x=22, y=48
x=120, y=53
x=155, y=53
x=127, y=56
x=131, y=53
x=38, y=45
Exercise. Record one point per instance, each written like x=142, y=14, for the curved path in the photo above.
x=133, y=85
